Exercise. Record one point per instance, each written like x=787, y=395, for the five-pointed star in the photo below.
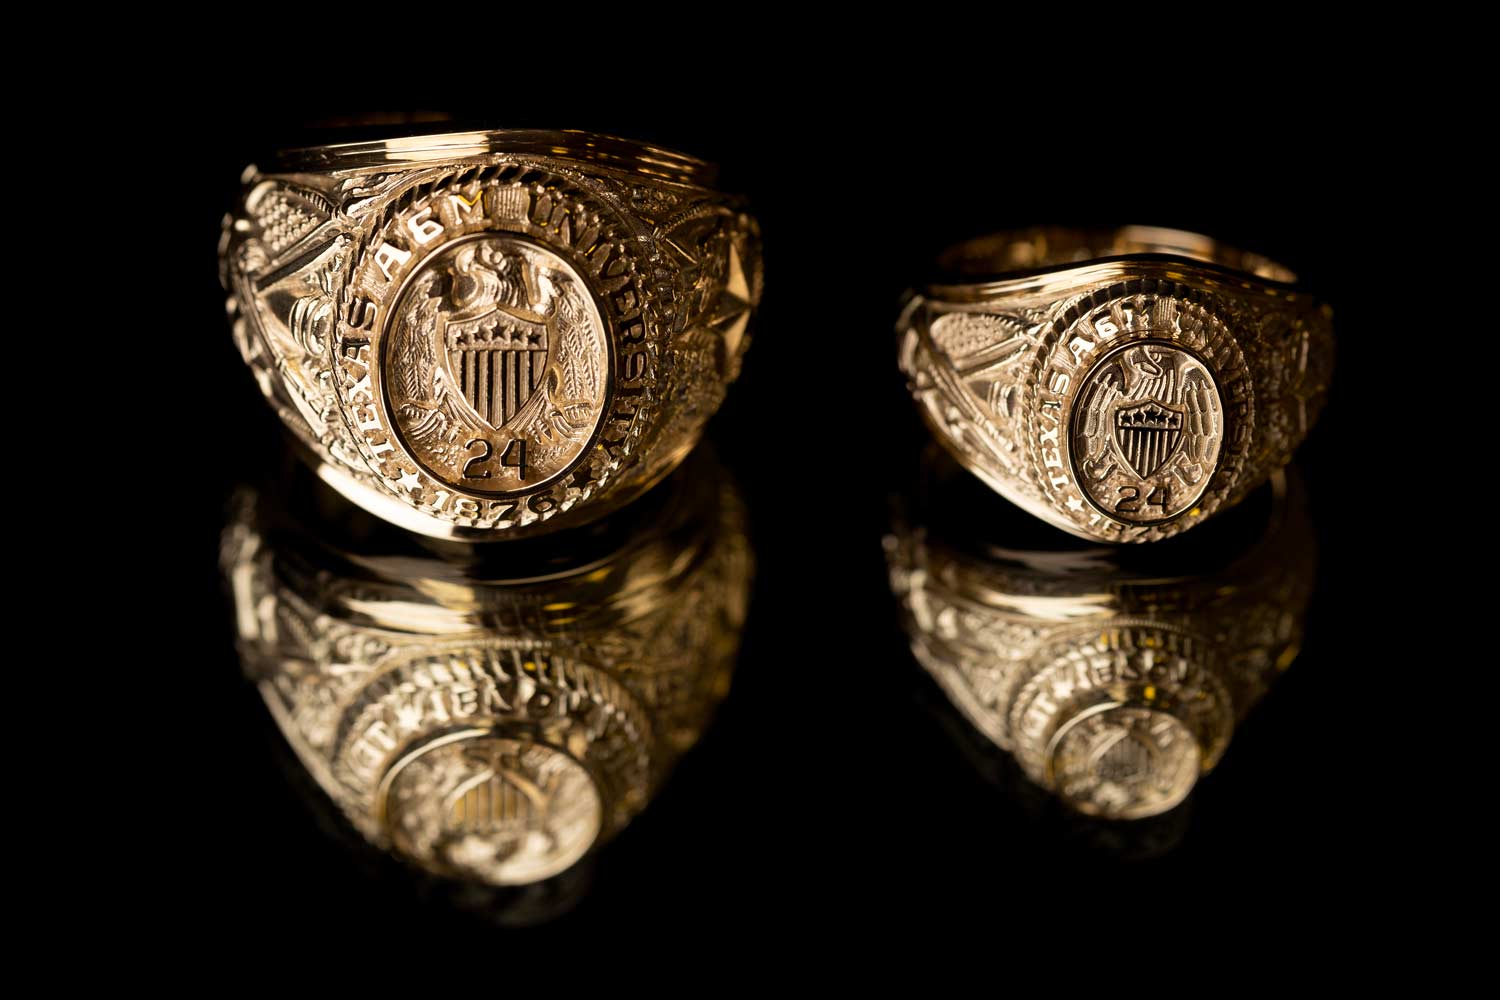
x=729, y=312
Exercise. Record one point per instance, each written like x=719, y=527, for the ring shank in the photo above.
x=1023, y=251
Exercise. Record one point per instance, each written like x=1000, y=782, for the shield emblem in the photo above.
x=1148, y=434
x=498, y=360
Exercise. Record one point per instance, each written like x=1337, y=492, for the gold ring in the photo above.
x=490, y=718
x=491, y=334
x=1114, y=676
x=1122, y=385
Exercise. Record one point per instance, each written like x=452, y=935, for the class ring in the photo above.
x=1122, y=385
x=491, y=720
x=489, y=335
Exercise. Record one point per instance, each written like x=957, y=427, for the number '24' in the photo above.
x=1130, y=499
x=513, y=457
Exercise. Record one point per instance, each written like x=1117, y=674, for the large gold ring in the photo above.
x=491, y=334
x=1122, y=385
x=491, y=717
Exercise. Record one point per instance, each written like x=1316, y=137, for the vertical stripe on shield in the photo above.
x=512, y=384
x=1146, y=449
x=497, y=383
x=496, y=413
x=482, y=386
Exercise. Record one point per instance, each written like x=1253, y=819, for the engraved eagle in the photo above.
x=1147, y=407
x=492, y=342
x=486, y=277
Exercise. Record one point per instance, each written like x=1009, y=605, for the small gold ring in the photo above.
x=1114, y=676
x=1122, y=385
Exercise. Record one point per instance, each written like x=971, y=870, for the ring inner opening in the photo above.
x=1005, y=254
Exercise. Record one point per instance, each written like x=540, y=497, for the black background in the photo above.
x=833, y=791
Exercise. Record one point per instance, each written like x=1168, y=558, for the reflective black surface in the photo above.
x=831, y=790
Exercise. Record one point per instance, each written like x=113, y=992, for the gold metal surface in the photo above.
x=1114, y=677
x=490, y=335
x=1122, y=385
x=492, y=718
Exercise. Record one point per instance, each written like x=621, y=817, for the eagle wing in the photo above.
x=1203, y=424
x=1097, y=409
x=415, y=356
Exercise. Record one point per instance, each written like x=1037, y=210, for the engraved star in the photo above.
x=408, y=481
x=730, y=312
x=1075, y=504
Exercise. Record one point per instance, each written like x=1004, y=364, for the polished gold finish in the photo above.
x=492, y=718
x=1122, y=385
x=1115, y=677
x=490, y=335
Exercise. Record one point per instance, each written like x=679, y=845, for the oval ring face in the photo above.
x=496, y=349
x=497, y=810
x=495, y=365
x=1124, y=762
x=1140, y=409
x=1147, y=429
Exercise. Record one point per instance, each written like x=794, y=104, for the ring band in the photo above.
x=491, y=334
x=1122, y=385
